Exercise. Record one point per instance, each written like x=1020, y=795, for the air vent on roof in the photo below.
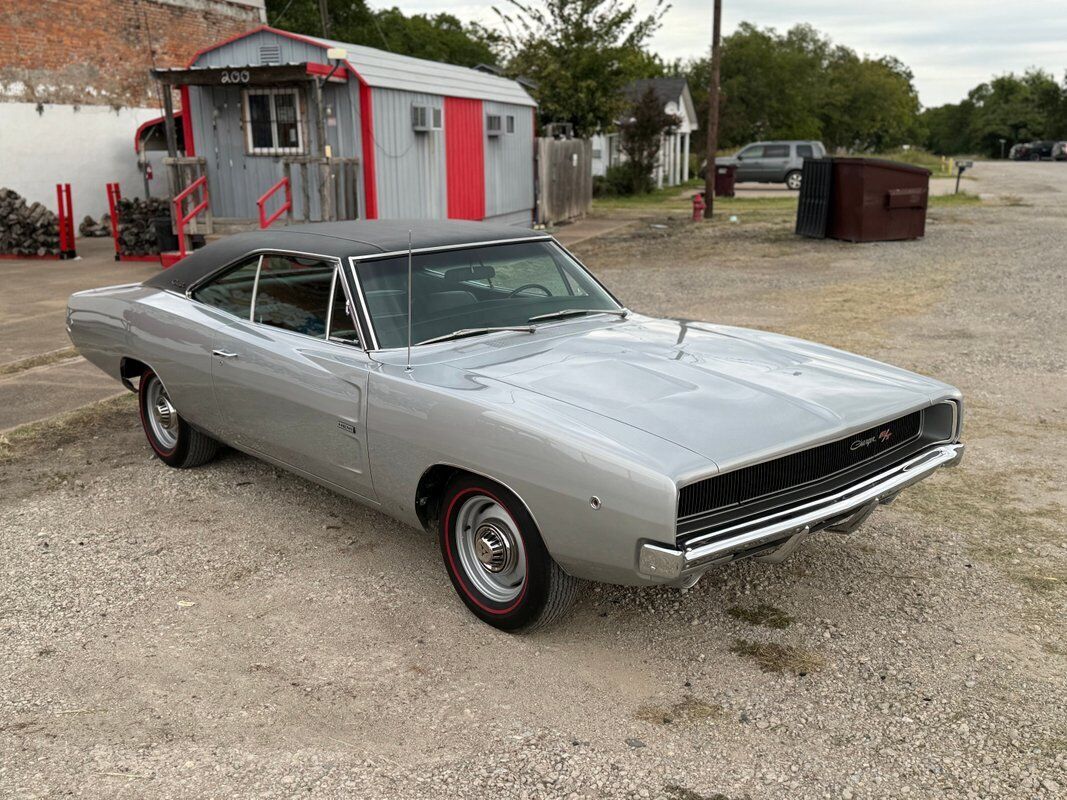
x=492, y=125
x=270, y=54
x=425, y=118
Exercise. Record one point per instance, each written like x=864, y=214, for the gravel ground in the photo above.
x=234, y=631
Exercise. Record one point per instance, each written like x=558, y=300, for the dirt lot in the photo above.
x=236, y=632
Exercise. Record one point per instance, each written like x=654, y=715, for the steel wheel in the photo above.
x=162, y=416
x=490, y=548
x=496, y=558
x=173, y=440
x=792, y=180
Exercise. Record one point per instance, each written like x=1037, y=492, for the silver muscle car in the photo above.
x=485, y=386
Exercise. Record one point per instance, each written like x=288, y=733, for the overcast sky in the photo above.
x=950, y=45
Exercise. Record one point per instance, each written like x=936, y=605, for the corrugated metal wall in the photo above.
x=458, y=172
x=236, y=179
x=410, y=166
x=465, y=158
x=509, y=166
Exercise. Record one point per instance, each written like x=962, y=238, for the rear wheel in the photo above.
x=173, y=440
x=497, y=560
x=792, y=180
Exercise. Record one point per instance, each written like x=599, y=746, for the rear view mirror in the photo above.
x=481, y=272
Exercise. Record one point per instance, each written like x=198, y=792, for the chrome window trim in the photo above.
x=262, y=253
x=354, y=261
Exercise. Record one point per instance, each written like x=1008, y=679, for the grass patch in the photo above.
x=771, y=657
x=37, y=361
x=951, y=200
x=689, y=709
x=764, y=615
x=675, y=792
x=65, y=428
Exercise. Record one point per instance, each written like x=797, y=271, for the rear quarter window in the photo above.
x=805, y=151
x=232, y=291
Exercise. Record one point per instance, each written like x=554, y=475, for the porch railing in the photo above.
x=181, y=219
x=286, y=207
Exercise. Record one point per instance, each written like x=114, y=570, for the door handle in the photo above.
x=223, y=354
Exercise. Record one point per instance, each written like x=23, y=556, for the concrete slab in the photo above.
x=42, y=392
x=587, y=228
x=33, y=300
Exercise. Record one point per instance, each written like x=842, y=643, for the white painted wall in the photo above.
x=85, y=146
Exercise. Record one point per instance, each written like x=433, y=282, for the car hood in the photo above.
x=730, y=395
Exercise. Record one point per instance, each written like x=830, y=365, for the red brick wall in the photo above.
x=98, y=52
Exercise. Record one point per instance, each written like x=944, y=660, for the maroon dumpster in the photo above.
x=874, y=200
x=725, y=175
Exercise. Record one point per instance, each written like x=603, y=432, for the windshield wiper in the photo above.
x=575, y=312
x=464, y=332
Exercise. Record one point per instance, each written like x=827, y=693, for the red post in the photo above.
x=61, y=220
x=113, y=197
x=65, y=221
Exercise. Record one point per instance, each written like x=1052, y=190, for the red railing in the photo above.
x=65, y=217
x=264, y=220
x=185, y=219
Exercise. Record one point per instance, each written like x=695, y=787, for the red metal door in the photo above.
x=464, y=158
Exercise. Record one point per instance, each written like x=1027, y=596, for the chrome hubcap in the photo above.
x=162, y=417
x=490, y=549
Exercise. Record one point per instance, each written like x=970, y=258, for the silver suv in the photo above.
x=773, y=162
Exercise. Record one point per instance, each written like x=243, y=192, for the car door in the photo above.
x=749, y=163
x=775, y=162
x=291, y=379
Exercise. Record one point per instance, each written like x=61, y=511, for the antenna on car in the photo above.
x=408, y=367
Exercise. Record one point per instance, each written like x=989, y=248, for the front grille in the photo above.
x=790, y=472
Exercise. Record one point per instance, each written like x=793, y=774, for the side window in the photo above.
x=805, y=151
x=294, y=294
x=756, y=151
x=776, y=151
x=342, y=317
x=231, y=291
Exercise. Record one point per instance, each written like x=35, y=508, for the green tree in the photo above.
x=580, y=53
x=441, y=37
x=640, y=138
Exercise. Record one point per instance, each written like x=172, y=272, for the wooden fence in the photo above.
x=564, y=179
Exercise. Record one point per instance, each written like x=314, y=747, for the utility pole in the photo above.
x=325, y=14
x=713, y=112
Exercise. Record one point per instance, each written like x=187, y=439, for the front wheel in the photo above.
x=792, y=180
x=173, y=440
x=496, y=558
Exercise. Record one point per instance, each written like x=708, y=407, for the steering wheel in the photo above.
x=530, y=286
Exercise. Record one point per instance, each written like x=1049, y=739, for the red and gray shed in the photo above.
x=419, y=139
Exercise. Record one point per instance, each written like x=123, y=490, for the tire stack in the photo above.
x=26, y=229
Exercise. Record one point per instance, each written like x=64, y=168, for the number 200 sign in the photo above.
x=235, y=76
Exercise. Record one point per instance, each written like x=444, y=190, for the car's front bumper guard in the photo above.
x=842, y=510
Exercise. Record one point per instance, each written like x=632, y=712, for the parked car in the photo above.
x=504, y=399
x=773, y=162
x=1032, y=151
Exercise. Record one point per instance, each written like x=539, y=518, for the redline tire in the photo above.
x=172, y=439
x=545, y=591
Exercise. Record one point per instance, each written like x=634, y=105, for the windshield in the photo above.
x=493, y=286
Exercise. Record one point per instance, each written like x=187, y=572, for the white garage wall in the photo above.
x=85, y=146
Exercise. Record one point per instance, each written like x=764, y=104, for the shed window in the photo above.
x=511, y=124
x=272, y=122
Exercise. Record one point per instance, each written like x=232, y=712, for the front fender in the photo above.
x=554, y=456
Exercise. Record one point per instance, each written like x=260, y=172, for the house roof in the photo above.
x=383, y=70
x=668, y=90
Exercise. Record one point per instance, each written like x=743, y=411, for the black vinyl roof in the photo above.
x=334, y=239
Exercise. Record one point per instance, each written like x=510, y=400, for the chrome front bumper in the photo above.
x=842, y=510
